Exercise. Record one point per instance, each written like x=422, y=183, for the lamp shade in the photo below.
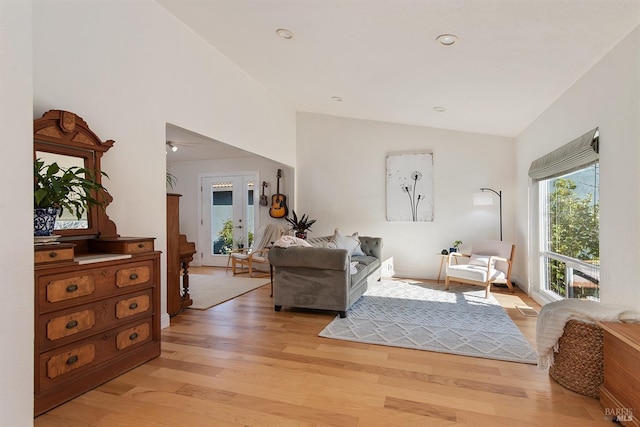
x=482, y=199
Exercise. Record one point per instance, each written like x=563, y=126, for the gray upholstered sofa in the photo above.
x=319, y=277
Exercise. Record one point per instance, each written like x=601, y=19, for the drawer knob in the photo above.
x=133, y=306
x=73, y=359
x=72, y=324
x=141, y=245
x=53, y=254
x=133, y=336
x=72, y=288
x=133, y=276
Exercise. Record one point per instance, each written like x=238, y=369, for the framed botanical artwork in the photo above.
x=410, y=187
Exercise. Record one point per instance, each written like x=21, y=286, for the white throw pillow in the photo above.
x=358, y=250
x=338, y=241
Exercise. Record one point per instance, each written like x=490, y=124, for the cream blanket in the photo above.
x=553, y=317
x=289, y=241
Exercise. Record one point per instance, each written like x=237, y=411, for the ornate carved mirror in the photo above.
x=64, y=137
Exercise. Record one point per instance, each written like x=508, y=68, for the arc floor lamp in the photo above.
x=483, y=199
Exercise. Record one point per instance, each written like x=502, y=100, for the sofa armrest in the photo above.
x=371, y=246
x=321, y=258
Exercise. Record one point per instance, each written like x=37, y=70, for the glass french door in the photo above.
x=228, y=214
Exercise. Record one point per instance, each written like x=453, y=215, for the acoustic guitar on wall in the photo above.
x=263, y=198
x=278, y=207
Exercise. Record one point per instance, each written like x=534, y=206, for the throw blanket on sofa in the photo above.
x=553, y=317
x=289, y=241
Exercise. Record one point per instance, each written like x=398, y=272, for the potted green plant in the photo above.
x=300, y=225
x=456, y=246
x=54, y=188
x=171, y=180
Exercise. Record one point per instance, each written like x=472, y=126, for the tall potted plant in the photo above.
x=56, y=188
x=301, y=225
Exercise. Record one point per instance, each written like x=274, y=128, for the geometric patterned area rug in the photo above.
x=426, y=317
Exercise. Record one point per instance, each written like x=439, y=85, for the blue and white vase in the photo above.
x=44, y=220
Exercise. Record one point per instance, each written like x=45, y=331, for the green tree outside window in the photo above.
x=573, y=232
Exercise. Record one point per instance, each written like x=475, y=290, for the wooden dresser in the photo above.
x=620, y=393
x=97, y=294
x=96, y=317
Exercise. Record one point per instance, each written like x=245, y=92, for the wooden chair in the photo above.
x=490, y=262
x=258, y=254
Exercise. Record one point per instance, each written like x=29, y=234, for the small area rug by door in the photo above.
x=426, y=317
x=207, y=291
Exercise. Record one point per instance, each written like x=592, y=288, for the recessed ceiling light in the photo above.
x=336, y=98
x=447, y=39
x=284, y=33
x=440, y=109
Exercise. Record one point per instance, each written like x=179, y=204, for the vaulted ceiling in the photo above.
x=512, y=60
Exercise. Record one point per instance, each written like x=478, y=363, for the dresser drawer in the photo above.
x=62, y=327
x=133, y=275
x=123, y=245
x=134, y=305
x=76, y=360
x=86, y=284
x=132, y=336
x=70, y=324
x=134, y=248
x=69, y=360
x=47, y=254
x=71, y=287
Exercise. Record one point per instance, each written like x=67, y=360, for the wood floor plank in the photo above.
x=243, y=364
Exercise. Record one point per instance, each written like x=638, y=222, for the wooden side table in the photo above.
x=443, y=260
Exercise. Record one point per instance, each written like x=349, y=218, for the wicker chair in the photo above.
x=257, y=255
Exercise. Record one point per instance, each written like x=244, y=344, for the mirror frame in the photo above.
x=66, y=133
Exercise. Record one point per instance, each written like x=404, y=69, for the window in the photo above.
x=569, y=253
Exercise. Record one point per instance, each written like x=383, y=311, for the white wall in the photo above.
x=188, y=175
x=16, y=210
x=341, y=183
x=128, y=68
x=607, y=96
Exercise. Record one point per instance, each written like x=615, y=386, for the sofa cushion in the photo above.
x=365, y=266
x=366, y=260
x=371, y=263
x=362, y=271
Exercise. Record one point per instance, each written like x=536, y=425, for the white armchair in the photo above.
x=489, y=262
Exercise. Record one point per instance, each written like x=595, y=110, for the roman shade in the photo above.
x=572, y=156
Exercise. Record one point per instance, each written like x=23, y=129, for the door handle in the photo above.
x=238, y=226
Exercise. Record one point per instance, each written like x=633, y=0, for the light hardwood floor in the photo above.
x=243, y=364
